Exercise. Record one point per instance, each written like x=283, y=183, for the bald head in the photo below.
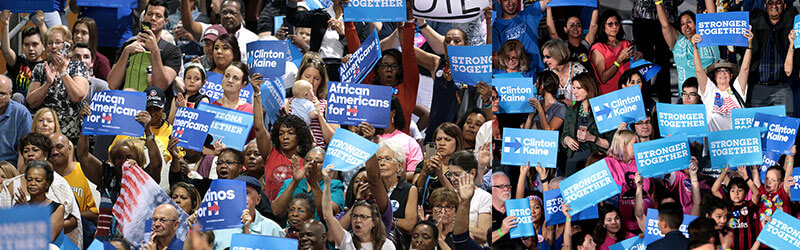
x=62, y=149
x=5, y=92
x=312, y=236
x=5, y=82
x=165, y=221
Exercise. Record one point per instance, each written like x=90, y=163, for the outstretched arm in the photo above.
x=744, y=72
x=702, y=79
x=376, y=186
x=263, y=140
x=335, y=230
x=669, y=32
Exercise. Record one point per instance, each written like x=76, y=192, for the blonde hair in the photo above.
x=8, y=169
x=135, y=144
x=314, y=60
x=619, y=143
x=39, y=115
x=512, y=45
x=60, y=28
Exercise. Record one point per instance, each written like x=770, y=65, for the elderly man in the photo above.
x=15, y=119
x=254, y=223
x=313, y=236
x=501, y=225
x=165, y=222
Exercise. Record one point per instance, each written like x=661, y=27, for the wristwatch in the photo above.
x=63, y=74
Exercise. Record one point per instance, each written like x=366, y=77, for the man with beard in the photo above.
x=502, y=225
x=165, y=222
x=63, y=164
x=232, y=18
x=313, y=236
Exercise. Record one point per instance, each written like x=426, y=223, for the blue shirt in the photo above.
x=16, y=121
x=113, y=24
x=337, y=192
x=175, y=244
x=523, y=27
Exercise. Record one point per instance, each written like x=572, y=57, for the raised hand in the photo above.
x=298, y=172
x=466, y=187
x=5, y=17
x=697, y=38
x=256, y=80
x=180, y=100
x=143, y=117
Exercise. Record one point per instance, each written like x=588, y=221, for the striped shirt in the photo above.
x=316, y=127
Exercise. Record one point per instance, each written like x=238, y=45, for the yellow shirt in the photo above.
x=80, y=187
x=162, y=140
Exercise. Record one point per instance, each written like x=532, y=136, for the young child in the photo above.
x=302, y=105
x=194, y=77
x=741, y=217
x=774, y=193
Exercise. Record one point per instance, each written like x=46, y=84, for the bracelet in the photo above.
x=568, y=218
x=423, y=26
x=500, y=233
x=63, y=74
x=659, y=2
x=487, y=105
x=616, y=64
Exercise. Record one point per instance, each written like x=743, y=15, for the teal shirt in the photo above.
x=337, y=192
x=683, y=54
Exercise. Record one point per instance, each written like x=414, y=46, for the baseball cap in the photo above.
x=155, y=97
x=214, y=31
x=250, y=181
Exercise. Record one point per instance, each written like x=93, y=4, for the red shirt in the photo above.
x=277, y=169
x=769, y=202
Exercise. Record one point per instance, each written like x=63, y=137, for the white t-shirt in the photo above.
x=347, y=244
x=481, y=203
x=719, y=105
x=243, y=36
x=331, y=47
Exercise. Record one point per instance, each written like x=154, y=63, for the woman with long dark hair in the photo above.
x=226, y=51
x=85, y=31
x=579, y=137
x=611, y=54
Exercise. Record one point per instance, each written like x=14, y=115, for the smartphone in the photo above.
x=145, y=25
x=65, y=50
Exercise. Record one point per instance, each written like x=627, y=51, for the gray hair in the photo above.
x=398, y=153
x=317, y=149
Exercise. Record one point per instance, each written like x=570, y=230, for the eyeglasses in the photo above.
x=513, y=58
x=645, y=122
x=444, y=208
x=504, y=186
x=450, y=175
x=547, y=57
x=386, y=159
x=689, y=94
x=162, y=220
x=386, y=66
x=356, y=216
x=612, y=23
x=3, y=94
x=229, y=163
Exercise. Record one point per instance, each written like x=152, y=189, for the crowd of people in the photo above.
x=436, y=180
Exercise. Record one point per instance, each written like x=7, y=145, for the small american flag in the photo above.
x=139, y=196
x=728, y=104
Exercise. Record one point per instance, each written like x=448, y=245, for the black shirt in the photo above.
x=21, y=73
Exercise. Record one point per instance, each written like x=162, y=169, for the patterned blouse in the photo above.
x=58, y=100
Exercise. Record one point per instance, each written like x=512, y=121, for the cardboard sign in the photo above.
x=273, y=94
x=223, y=205
x=267, y=58
x=27, y=6
x=521, y=146
x=795, y=190
x=612, y=109
x=781, y=131
x=770, y=159
x=351, y=104
x=319, y=4
x=114, y=112
x=781, y=232
x=666, y=155
x=653, y=233
x=520, y=208
x=509, y=75
x=743, y=118
x=449, y=11
x=101, y=3
x=514, y=94
x=796, y=29
x=632, y=243
x=348, y=150
x=587, y=3
x=588, y=187
x=470, y=64
x=213, y=88
x=261, y=242
x=362, y=61
x=686, y=119
x=25, y=227
x=552, y=209
x=375, y=11
x=648, y=69
x=735, y=147
x=230, y=125
x=725, y=28
x=191, y=127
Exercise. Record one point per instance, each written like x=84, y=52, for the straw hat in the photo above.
x=721, y=63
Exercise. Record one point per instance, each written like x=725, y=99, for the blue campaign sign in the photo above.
x=261, y=242
x=735, y=147
x=509, y=75
x=348, y=150
x=514, y=94
x=191, y=127
x=725, y=28
x=588, y=187
x=114, y=112
x=587, y=3
x=297, y=56
x=273, y=94
x=521, y=146
x=107, y=3
x=213, y=88
x=743, y=118
x=796, y=30
x=319, y=4
x=552, y=209
x=362, y=61
x=267, y=58
x=666, y=155
x=471, y=64
x=770, y=159
x=351, y=104
x=686, y=119
x=223, y=205
x=795, y=191
x=232, y=126
x=648, y=69
x=632, y=243
x=521, y=208
x=25, y=227
x=27, y=6
x=65, y=243
x=781, y=131
x=278, y=20
x=781, y=232
x=653, y=233
x=375, y=11
x=624, y=105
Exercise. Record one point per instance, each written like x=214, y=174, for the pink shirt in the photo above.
x=413, y=151
x=610, y=54
x=609, y=241
x=624, y=173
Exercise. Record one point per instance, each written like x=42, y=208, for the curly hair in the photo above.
x=301, y=130
x=38, y=140
x=308, y=199
x=43, y=165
